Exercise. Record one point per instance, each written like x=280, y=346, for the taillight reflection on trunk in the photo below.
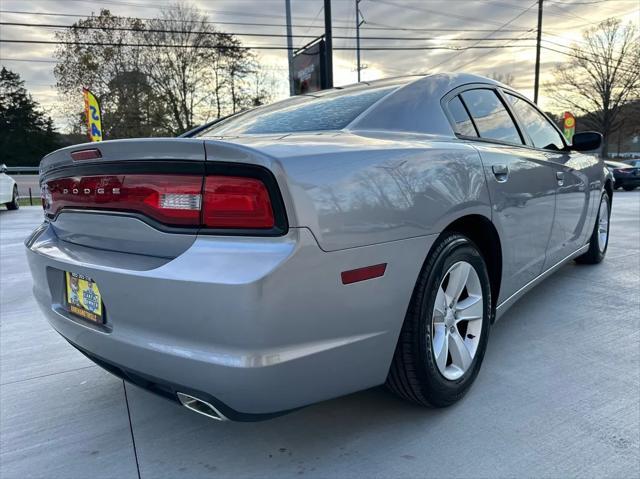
x=175, y=200
x=172, y=200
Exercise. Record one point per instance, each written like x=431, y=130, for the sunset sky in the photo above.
x=427, y=22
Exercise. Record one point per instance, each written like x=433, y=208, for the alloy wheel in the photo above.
x=603, y=224
x=457, y=320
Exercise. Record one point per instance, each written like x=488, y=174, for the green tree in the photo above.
x=26, y=134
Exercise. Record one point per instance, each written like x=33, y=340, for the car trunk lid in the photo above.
x=154, y=196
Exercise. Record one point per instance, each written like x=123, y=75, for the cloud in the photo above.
x=562, y=23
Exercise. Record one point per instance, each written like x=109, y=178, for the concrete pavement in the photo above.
x=558, y=396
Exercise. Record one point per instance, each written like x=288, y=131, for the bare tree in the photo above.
x=155, y=77
x=506, y=78
x=602, y=76
x=186, y=48
x=94, y=55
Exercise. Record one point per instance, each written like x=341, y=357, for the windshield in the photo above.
x=333, y=111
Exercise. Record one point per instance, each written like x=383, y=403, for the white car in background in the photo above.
x=8, y=190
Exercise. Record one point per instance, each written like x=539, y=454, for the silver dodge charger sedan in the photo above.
x=317, y=246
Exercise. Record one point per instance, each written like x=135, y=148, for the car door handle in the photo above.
x=501, y=172
x=560, y=178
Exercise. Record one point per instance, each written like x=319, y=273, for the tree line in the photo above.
x=164, y=76
x=26, y=133
x=156, y=77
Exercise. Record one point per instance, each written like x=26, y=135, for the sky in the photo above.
x=511, y=24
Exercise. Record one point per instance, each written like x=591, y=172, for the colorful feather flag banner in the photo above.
x=569, y=125
x=94, y=117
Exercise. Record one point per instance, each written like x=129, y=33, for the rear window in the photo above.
x=462, y=122
x=328, y=112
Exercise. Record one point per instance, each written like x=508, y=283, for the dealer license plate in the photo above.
x=83, y=297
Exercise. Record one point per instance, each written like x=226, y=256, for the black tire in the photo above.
x=594, y=255
x=414, y=374
x=629, y=188
x=14, y=204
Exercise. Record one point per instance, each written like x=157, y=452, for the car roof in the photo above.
x=404, y=109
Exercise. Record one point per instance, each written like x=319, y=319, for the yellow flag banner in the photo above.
x=94, y=117
x=569, y=124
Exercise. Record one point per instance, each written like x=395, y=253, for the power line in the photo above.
x=272, y=35
x=579, y=51
x=254, y=47
x=370, y=25
x=28, y=60
x=580, y=57
x=429, y=10
x=476, y=58
x=176, y=7
x=492, y=33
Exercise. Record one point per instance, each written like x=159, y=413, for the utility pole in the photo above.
x=328, y=43
x=292, y=90
x=536, y=85
x=358, y=24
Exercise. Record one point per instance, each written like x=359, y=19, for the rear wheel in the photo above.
x=14, y=204
x=445, y=332
x=599, y=241
x=628, y=188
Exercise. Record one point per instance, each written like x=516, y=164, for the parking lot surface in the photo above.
x=558, y=395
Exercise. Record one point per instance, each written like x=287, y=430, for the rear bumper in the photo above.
x=255, y=325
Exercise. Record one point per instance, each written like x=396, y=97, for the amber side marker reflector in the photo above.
x=362, y=274
x=90, y=154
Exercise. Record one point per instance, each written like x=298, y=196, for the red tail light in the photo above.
x=234, y=202
x=174, y=200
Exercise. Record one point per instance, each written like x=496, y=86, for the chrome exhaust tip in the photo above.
x=200, y=406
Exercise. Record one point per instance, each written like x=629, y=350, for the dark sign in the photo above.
x=309, y=68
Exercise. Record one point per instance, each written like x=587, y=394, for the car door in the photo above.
x=573, y=171
x=520, y=182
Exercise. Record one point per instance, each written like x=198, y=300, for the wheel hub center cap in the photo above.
x=449, y=318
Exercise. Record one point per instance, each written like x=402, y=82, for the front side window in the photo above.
x=542, y=133
x=490, y=116
x=462, y=122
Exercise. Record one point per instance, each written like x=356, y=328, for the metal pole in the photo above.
x=539, y=39
x=292, y=90
x=358, y=37
x=328, y=42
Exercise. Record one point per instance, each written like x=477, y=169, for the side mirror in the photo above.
x=586, y=141
x=3, y=168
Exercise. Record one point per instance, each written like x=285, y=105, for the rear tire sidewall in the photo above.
x=594, y=240
x=14, y=204
x=593, y=254
x=442, y=391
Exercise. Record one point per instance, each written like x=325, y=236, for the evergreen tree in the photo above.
x=26, y=134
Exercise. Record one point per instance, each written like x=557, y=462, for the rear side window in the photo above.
x=542, y=133
x=462, y=122
x=331, y=112
x=490, y=116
